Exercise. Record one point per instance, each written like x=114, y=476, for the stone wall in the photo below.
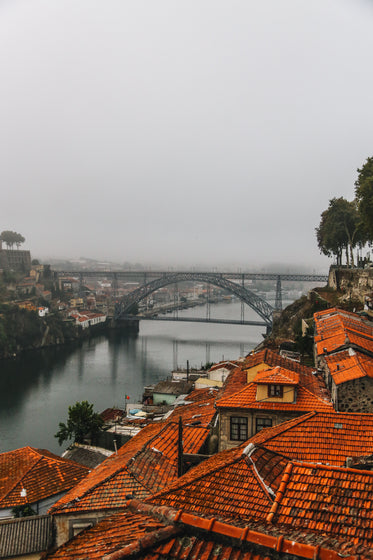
x=354, y=396
x=15, y=260
x=355, y=282
x=224, y=423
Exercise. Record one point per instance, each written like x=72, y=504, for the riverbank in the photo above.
x=22, y=331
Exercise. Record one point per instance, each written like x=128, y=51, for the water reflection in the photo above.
x=37, y=389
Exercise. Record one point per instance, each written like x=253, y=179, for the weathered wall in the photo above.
x=351, y=396
x=224, y=423
x=15, y=260
x=354, y=396
x=356, y=282
x=68, y=525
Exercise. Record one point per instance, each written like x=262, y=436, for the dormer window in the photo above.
x=275, y=391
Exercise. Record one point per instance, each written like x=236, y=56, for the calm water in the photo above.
x=37, y=389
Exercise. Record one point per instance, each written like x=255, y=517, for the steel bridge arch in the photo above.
x=259, y=305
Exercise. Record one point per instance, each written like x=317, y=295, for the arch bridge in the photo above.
x=258, y=304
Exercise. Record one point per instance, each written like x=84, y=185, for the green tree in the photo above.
x=341, y=229
x=364, y=195
x=12, y=238
x=82, y=421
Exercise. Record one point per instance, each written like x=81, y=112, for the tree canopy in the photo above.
x=364, y=195
x=341, y=229
x=12, y=238
x=81, y=422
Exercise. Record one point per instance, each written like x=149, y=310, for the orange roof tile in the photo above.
x=307, y=375
x=338, y=329
x=144, y=465
x=154, y=533
x=277, y=375
x=246, y=399
x=39, y=472
x=334, y=501
x=236, y=380
x=348, y=365
x=226, y=485
x=323, y=437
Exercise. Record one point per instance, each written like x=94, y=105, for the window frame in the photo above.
x=239, y=424
x=275, y=391
x=268, y=423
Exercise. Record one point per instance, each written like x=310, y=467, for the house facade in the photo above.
x=277, y=389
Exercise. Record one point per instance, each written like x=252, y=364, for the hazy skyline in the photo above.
x=190, y=133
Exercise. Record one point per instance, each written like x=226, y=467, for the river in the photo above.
x=37, y=388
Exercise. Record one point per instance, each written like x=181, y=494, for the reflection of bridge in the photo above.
x=233, y=282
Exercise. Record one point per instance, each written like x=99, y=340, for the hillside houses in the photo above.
x=344, y=354
x=273, y=464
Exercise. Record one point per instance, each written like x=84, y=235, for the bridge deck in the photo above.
x=194, y=320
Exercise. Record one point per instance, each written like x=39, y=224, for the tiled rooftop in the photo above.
x=236, y=380
x=307, y=375
x=277, y=375
x=348, y=365
x=329, y=500
x=39, y=472
x=327, y=438
x=198, y=410
x=144, y=465
x=159, y=533
x=226, y=485
x=337, y=329
x=246, y=399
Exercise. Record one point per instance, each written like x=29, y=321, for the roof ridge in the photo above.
x=280, y=492
x=267, y=489
x=313, y=394
x=106, y=479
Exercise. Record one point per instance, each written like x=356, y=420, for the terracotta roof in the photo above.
x=278, y=376
x=273, y=359
x=246, y=399
x=348, y=365
x=144, y=465
x=235, y=381
x=337, y=329
x=197, y=409
x=110, y=535
x=307, y=376
x=322, y=437
x=330, y=500
x=225, y=485
x=156, y=533
x=37, y=471
x=230, y=365
x=206, y=394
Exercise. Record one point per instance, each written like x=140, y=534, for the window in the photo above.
x=261, y=423
x=275, y=390
x=238, y=428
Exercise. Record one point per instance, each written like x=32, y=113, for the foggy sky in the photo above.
x=199, y=132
